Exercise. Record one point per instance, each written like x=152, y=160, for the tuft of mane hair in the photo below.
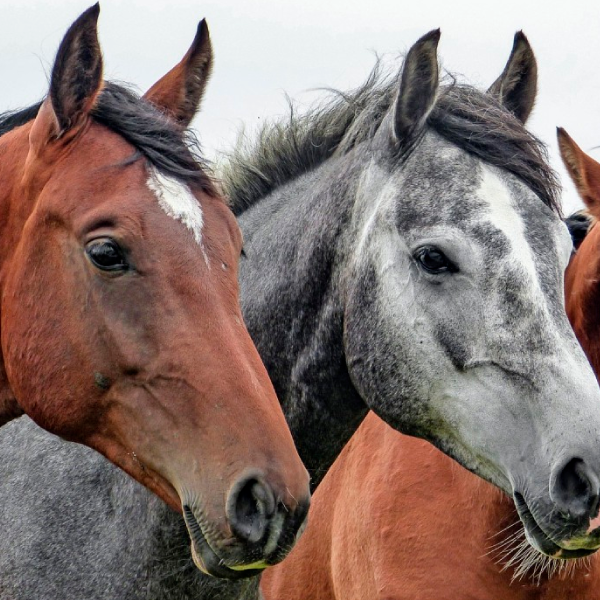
x=15, y=118
x=474, y=121
x=151, y=132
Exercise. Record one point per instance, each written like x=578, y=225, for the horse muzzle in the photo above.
x=263, y=531
x=574, y=538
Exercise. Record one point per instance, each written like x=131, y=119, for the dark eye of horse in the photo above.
x=107, y=255
x=434, y=261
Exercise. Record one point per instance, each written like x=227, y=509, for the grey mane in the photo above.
x=470, y=119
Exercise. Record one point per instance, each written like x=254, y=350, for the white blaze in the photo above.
x=177, y=200
x=504, y=216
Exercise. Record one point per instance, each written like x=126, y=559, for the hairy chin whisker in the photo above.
x=516, y=523
x=514, y=552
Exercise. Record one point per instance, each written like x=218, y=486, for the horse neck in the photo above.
x=290, y=284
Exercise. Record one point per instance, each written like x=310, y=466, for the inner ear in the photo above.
x=516, y=88
x=77, y=72
x=179, y=92
x=419, y=83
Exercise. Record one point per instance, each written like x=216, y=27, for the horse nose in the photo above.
x=250, y=507
x=575, y=489
x=256, y=515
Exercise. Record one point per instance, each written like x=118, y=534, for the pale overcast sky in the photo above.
x=267, y=48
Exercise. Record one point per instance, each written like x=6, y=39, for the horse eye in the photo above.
x=434, y=261
x=106, y=255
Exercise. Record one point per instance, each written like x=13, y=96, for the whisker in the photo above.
x=517, y=522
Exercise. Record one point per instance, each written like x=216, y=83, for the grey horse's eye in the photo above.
x=434, y=261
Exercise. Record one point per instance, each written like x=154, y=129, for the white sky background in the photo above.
x=267, y=48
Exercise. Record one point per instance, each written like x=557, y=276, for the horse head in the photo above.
x=120, y=322
x=455, y=325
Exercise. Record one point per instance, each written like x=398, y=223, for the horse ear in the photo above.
x=583, y=170
x=180, y=91
x=516, y=88
x=418, y=87
x=74, y=84
x=77, y=72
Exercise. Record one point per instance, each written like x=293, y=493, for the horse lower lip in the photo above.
x=205, y=557
x=543, y=543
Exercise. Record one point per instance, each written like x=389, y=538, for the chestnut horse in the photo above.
x=395, y=519
x=120, y=322
x=403, y=252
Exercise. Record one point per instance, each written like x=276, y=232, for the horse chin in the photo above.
x=207, y=560
x=133, y=465
x=539, y=540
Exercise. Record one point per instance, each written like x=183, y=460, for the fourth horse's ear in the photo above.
x=583, y=170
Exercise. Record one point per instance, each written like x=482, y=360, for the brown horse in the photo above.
x=395, y=519
x=120, y=322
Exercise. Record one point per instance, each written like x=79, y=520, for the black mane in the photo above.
x=470, y=119
x=15, y=118
x=152, y=133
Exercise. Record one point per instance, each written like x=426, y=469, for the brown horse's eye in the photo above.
x=434, y=261
x=107, y=255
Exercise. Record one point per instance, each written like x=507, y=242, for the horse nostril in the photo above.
x=576, y=489
x=250, y=506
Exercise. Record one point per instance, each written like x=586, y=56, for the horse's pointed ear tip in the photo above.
x=428, y=41
x=93, y=11
x=434, y=35
x=562, y=135
x=203, y=29
x=522, y=41
x=89, y=17
x=202, y=37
